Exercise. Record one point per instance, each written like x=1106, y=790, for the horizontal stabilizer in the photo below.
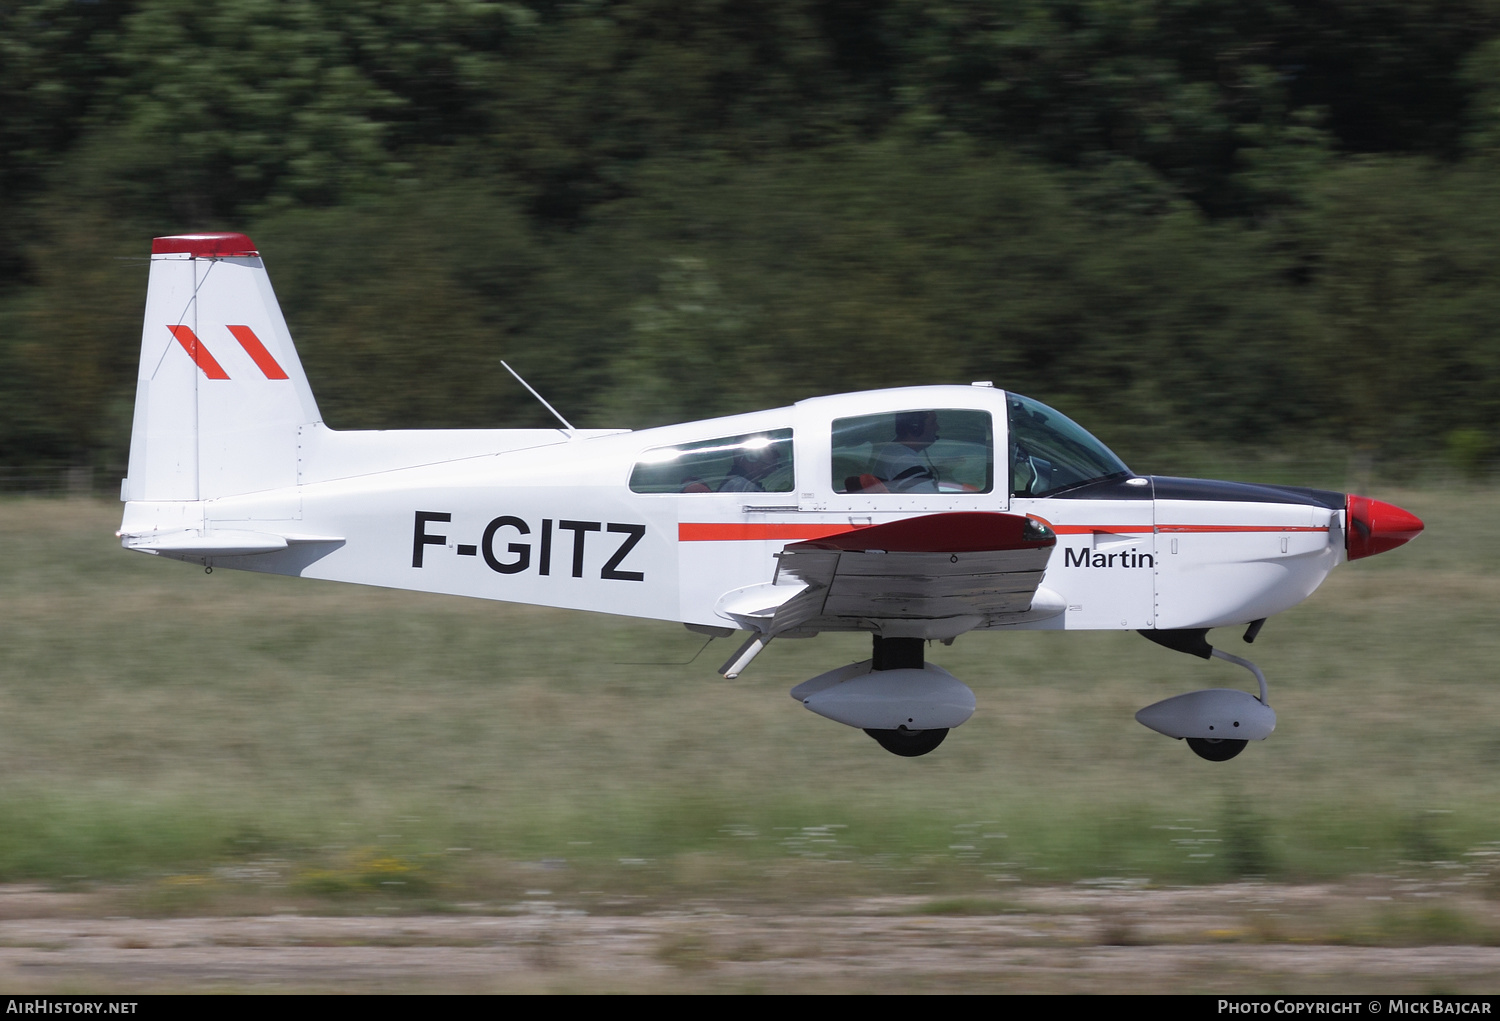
x=219, y=543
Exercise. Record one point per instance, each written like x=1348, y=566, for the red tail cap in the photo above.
x=205, y=246
x=1375, y=526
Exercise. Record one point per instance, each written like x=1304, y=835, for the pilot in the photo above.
x=757, y=459
x=903, y=464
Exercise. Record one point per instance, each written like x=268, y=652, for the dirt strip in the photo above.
x=1240, y=939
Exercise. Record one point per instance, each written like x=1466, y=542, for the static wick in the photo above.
x=555, y=414
x=685, y=662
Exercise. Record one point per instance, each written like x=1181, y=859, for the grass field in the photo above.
x=242, y=736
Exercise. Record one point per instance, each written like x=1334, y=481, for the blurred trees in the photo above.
x=1248, y=222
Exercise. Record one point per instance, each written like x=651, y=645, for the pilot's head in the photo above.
x=917, y=429
x=758, y=457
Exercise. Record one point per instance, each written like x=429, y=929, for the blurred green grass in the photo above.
x=159, y=724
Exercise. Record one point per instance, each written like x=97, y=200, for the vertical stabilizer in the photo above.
x=221, y=392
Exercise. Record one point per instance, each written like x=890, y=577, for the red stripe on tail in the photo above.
x=198, y=353
x=256, y=350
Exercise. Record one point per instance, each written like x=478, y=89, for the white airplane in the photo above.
x=914, y=514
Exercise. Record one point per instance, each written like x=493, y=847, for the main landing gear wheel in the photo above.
x=1216, y=749
x=911, y=743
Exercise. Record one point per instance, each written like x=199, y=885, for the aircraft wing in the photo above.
x=966, y=569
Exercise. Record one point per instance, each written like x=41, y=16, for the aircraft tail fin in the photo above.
x=221, y=395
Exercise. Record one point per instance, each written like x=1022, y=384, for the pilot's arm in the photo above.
x=904, y=470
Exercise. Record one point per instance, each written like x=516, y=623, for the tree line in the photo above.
x=1262, y=223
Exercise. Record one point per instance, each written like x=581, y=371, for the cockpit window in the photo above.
x=1049, y=452
x=753, y=463
x=930, y=450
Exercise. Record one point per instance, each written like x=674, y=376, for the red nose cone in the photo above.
x=1375, y=527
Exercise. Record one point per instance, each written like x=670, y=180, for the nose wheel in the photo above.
x=1205, y=718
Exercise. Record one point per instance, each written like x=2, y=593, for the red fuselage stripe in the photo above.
x=198, y=353
x=1145, y=529
x=1242, y=528
x=256, y=350
x=735, y=532
x=1091, y=529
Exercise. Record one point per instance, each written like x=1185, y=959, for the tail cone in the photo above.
x=1375, y=526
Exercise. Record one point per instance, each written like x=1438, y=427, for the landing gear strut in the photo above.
x=903, y=654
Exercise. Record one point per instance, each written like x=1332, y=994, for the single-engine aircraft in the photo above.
x=916, y=515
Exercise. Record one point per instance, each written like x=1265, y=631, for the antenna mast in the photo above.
x=566, y=424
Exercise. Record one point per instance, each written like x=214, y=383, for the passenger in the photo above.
x=757, y=459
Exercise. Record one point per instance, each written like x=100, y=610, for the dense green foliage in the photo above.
x=1251, y=222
